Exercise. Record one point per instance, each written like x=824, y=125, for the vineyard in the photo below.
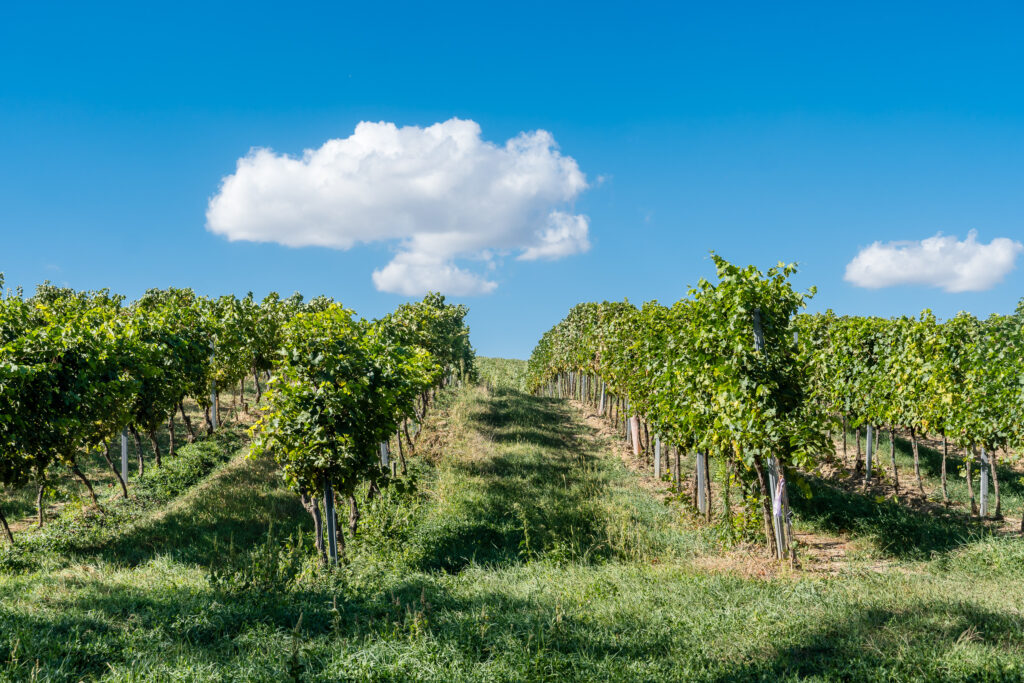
x=723, y=489
x=738, y=380
x=80, y=369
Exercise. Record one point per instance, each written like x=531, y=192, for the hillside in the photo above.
x=523, y=545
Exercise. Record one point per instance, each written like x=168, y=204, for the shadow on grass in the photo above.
x=234, y=509
x=895, y=529
x=1011, y=484
x=532, y=493
x=524, y=638
x=512, y=416
x=860, y=646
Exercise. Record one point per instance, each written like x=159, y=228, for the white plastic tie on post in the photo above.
x=777, y=498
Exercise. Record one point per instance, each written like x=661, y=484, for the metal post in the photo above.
x=213, y=403
x=867, y=458
x=213, y=388
x=702, y=502
x=384, y=452
x=657, y=457
x=777, y=482
x=124, y=455
x=332, y=522
x=776, y=493
x=984, y=483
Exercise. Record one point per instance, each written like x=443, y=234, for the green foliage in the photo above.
x=506, y=373
x=173, y=597
x=190, y=464
x=340, y=388
x=272, y=566
x=962, y=377
x=693, y=371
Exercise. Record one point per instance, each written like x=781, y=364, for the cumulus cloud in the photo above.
x=440, y=193
x=412, y=274
x=565, y=235
x=955, y=266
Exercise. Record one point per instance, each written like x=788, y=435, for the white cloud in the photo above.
x=565, y=235
x=441, y=193
x=413, y=274
x=955, y=266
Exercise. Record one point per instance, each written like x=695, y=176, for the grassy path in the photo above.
x=524, y=551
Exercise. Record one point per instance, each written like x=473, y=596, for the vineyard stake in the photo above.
x=867, y=457
x=702, y=501
x=657, y=457
x=775, y=491
x=984, y=483
x=213, y=403
x=213, y=390
x=777, y=482
x=124, y=455
x=634, y=427
x=332, y=521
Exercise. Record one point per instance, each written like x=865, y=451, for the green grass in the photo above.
x=65, y=491
x=507, y=373
x=522, y=549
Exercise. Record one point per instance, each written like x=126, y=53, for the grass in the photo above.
x=1011, y=480
x=64, y=490
x=507, y=373
x=520, y=548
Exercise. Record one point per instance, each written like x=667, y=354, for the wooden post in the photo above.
x=634, y=431
x=332, y=522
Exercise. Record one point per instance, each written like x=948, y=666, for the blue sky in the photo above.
x=800, y=133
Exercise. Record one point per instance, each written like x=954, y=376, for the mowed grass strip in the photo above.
x=524, y=551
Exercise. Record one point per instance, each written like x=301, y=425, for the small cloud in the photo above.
x=955, y=266
x=565, y=235
x=413, y=274
x=440, y=193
